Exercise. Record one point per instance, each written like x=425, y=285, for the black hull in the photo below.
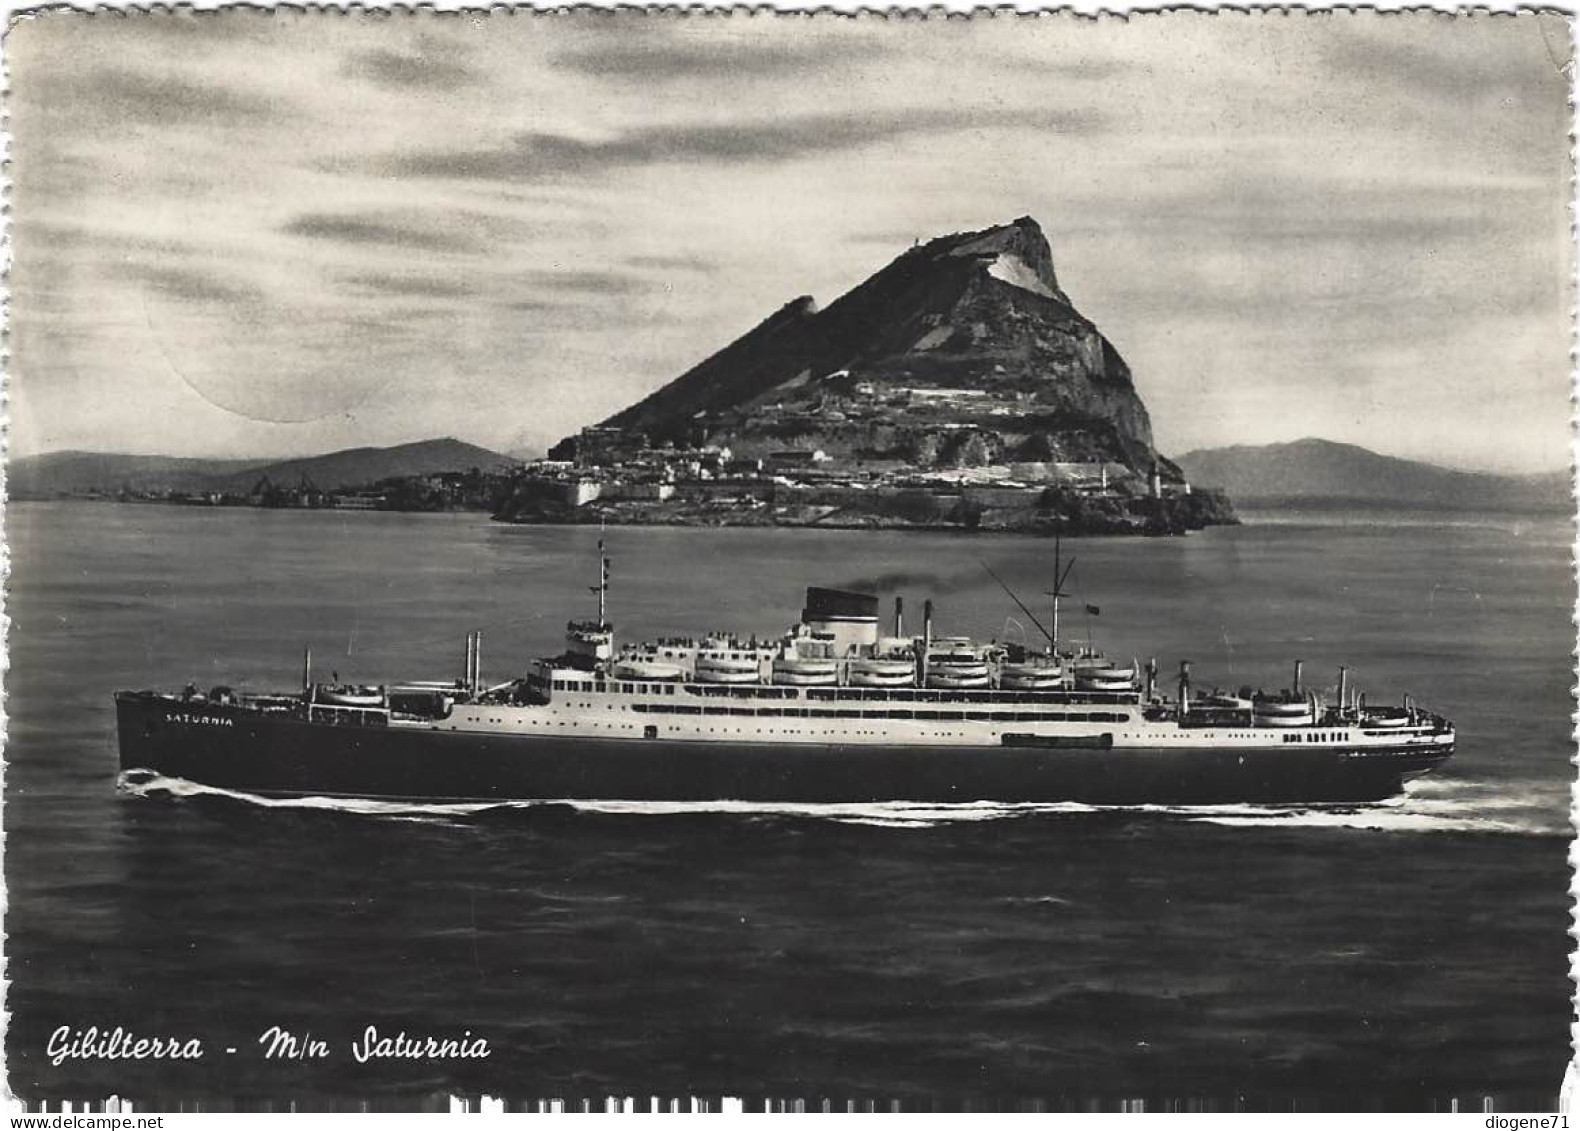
x=277, y=755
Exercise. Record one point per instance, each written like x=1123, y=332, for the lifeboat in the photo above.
x=805, y=673
x=646, y=669
x=1030, y=677
x=1282, y=712
x=881, y=673
x=345, y=695
x=724, y=669
x=1106, y=679
x=958, y=676
x=1386, y=717
x=950, y=670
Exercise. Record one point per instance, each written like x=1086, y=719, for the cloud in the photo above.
x=420, y=70
x=673, y=263
x=112, y=96
x=410, y=286
x=1288, y=212
x=55, y=236
x=185, y=25
x=714, y=59
x=188, y=284
x=362, y=230
x=587, y=282
x=534, y=156
x=1471, y=73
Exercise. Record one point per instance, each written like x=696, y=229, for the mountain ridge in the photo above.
x=74, y=472
x=1315, y=470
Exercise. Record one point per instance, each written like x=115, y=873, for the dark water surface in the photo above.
x=1397, y=955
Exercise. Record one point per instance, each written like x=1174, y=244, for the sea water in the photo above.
x=1407, y=954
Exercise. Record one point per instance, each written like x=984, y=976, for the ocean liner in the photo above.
x=833, y=710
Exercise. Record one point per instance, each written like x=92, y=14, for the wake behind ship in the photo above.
x=832, y=710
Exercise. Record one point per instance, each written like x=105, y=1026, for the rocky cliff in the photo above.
x=963, y=351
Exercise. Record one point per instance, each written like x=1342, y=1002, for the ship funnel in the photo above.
x=1184, y=687
x=1300, y=668
x=466, y=669
x=1344, y=689
x=307, y=670
x=477, y=661
x=927, y=636
x=899, y=617
x=847, y=620
x=1152, y=677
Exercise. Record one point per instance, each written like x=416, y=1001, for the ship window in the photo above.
x=742, y=711
x=770, y=711
x=901, y=714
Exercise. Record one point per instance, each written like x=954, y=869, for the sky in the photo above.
x=268, y=234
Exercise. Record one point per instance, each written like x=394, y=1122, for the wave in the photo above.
x=1428, y=806
x=1424, y=807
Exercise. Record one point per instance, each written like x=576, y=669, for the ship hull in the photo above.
x=280, y=755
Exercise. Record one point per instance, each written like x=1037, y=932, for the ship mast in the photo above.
x=1060, y=575
x=602, y=588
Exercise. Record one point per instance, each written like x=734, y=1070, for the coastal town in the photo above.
x=614, y=475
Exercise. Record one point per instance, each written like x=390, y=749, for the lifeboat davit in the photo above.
x=725, y=669
x=805, y=673
x=1222, y=702
x=646, y=669
x=341, y=695
x=1030, y=677
x=1282, y=712
x=881, y=673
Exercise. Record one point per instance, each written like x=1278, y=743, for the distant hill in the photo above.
x=58, y=474
x=79, y=473
x=1312, y=471
x=356, y=467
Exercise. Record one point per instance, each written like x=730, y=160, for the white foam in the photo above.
x=1409, y=813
